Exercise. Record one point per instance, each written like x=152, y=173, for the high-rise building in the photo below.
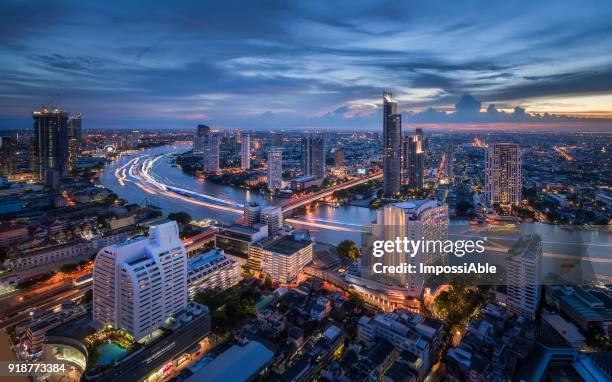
x=273, y=217
x=139, y=283
x=275, y=168
x=339, y=157
x=414, y=161
x=207, y=143
x=503, y=184
x=50, y=150
x=313, y=156
x=198, y=138
x=245, y=152
x=278, y=140
x=524, y=276
x=8, y=156
x=74, y=140
x=251, y=214
x=421, y=219
x=392, y=140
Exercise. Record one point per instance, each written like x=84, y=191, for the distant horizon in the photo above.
x=308, y=65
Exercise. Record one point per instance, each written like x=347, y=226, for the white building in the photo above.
x=275, y=168
x=211, y=270
x=245, y=152
x=415, y=220
x=524, y=276
x=273, y=217
x=251, y=214
x=141, y=282
x=284, y=259
x=503, y=184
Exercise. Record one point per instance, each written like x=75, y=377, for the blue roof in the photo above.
x=237, y=364
x=204, y=258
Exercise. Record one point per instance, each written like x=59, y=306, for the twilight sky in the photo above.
x=310, y=64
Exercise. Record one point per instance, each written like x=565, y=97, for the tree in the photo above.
x=268, y=282
x=180, y=217
x=348, y=249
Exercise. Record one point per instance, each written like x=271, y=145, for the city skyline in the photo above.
x=305, y=65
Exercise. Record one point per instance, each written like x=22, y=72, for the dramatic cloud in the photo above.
x=305, y=64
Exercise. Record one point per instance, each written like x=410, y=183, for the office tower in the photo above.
x=211, y=270
x=245, y=152
x=392, y=140
x=252, y=214
x=273, y=217
x=313, y=156
x=141, y=282
x=339, y=157
x=524, y=276
x=74, y=140
x=8, y=156
x=284, y=258
x=419, y=219
x=206, y=142
x=275, y=168
x=414, y=161
x=503, y=174
x=50, y=150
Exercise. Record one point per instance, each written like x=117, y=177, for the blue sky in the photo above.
x=311, y=64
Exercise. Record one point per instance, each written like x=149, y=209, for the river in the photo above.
x=333, y=224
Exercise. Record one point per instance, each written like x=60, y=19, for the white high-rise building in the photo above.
x=503, y=183
x=524, y=276
x=245, y=152
x=275, y=168
x=141, y=282
x=422, y=219
x=273, y=217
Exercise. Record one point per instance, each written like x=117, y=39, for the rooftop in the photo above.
x=288, y=245
x=251, y=357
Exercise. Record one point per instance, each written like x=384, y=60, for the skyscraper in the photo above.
x=8, y=156
x=50, y=150
x=207, y=141
x=503, y=184
x=139, y=283
x=74, y=140
x=245, y=152
x=392, y=140
x=339, y=157
x=420, y=219
x=313, y=156
x=524, y=276
x=275, y=168
x=414, y=161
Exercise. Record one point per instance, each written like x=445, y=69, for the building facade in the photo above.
x=211, y=270
x=245, y=152
x=275, y=168
x=392, y=140
x=524, y=276
x=503, y=182
x=313, y=156
x=139, y=283
x=414, y=161
x=284, y=259
x=421, y=219
x=206, y=142
x=50, y=149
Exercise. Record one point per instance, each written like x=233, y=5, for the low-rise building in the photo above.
x=211, y=270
